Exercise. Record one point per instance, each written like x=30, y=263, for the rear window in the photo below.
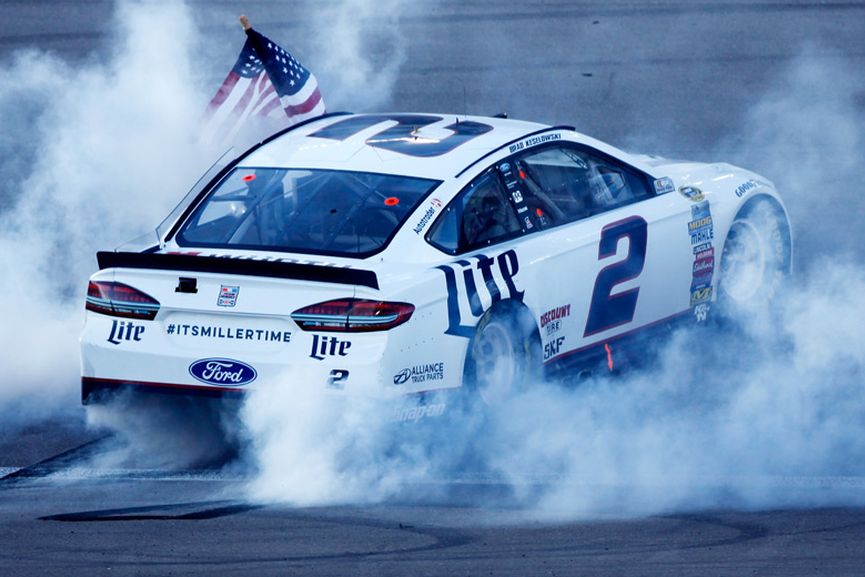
x=309, y=211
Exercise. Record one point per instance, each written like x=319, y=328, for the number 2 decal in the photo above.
x=337, y=378
x=401, y=136
x=611, y=310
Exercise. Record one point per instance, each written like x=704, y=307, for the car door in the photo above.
x=609, y=255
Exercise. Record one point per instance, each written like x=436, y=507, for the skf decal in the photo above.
x=124, y=331
x=553, y=347
x=227, y=295
x=496, y=275
x=324, y=346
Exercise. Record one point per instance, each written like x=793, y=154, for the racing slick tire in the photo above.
x=504, y=354
x=756, y=261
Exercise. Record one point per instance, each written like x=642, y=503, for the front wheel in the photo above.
x=756, y=259
x=504, y=355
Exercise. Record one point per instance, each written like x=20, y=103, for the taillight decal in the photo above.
x=120, y=300
x=352, y=315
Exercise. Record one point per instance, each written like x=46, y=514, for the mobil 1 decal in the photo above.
x=476, y=283
x=702, y=232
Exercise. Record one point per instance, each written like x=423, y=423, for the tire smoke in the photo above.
x=765, y=412
x=97, y=155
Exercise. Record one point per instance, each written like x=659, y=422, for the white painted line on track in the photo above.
x=86, y=474
x=779, y=481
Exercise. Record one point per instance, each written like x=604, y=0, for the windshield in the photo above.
x=309, y=211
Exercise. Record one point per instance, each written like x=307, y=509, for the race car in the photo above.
x=398, y=254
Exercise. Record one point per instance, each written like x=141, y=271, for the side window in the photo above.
x=479, y=216
x=567, y=184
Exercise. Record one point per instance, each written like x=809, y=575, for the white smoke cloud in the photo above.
x=98, y=154
x=807, y=135
x=360, y=52
x=770, y=413
x=726, y=417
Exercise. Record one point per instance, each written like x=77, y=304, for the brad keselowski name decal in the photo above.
x=463, y=277
x=533, y=141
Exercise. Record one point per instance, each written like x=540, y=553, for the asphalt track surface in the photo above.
x=615, y=69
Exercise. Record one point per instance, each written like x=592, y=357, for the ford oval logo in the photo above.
x=224, y=372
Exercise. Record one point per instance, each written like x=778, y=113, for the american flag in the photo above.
x=265, y=82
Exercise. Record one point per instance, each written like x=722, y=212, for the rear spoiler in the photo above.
x=238, y=266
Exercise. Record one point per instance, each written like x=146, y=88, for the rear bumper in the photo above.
x=95, y=390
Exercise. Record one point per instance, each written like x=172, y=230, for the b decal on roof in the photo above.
x=407, y=135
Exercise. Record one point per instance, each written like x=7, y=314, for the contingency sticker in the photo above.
x=227, y=296
x=664, y=185
x=702, y=232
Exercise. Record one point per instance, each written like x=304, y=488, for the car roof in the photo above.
x=366, y=142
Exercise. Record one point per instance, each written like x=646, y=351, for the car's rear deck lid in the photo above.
x=238, y=266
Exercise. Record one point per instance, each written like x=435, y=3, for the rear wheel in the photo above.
x=756, y=259
x=504, y=354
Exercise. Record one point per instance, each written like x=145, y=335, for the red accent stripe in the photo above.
x=620, y=336
x=304, y=107
x=609, y=356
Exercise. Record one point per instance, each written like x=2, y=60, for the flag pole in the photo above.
x=244, y=21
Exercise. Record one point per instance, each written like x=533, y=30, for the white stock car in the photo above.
x=408, y=253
